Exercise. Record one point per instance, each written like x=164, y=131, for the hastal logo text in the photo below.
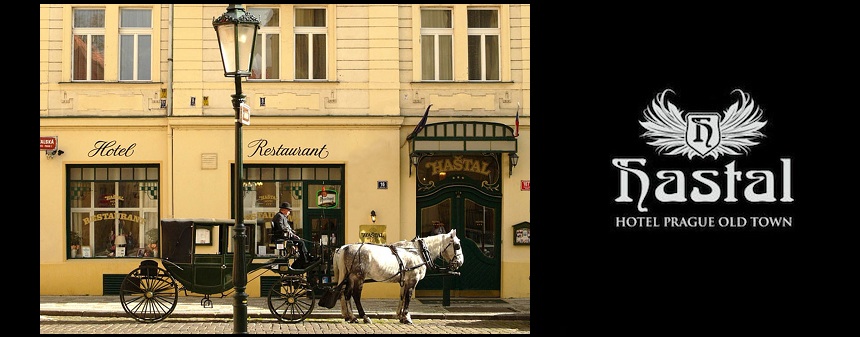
x=732, y=132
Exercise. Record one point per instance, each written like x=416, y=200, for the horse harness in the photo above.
x=425, y=255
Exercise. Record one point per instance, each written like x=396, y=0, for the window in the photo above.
x=266, y=63
x=111, y=201
x=310, y=35
x=267, y=186
x=483, y=31
x=437, y=48
x=135, y=45
x=88, y=28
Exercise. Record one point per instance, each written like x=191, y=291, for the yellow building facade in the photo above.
x=137, y=125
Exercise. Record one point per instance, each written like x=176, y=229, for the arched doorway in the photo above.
x=463, y=192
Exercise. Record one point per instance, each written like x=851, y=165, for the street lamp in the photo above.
x=237, y=32
x=514, y=159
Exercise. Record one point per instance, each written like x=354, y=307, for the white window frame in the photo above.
x=310, y=32
x=262, y=45
x=89, y=32
x=483, y=33
x=136, y=32
x=436, y=33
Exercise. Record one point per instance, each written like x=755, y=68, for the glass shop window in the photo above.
x=114, y=211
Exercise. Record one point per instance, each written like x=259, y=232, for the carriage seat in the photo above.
x=289, y=248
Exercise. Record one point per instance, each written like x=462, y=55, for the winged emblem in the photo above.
x=674, y=132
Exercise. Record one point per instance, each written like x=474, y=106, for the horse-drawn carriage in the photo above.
x=193, y=260
x=197, y=256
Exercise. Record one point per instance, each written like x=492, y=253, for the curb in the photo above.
x=325, y=315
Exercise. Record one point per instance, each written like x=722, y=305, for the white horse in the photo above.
x=405, y=262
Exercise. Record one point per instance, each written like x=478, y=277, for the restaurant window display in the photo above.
x=267, y=186
x=113, y=211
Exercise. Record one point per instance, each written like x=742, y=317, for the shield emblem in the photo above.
x=703, y=131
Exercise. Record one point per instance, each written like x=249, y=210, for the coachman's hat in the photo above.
x=286, y=205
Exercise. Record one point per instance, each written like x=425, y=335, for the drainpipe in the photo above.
x=170, y=61
x=170, y=106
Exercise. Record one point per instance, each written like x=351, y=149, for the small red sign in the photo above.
x=525, y=185
x=47, y=143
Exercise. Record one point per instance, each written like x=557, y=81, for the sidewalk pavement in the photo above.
x=189, y=306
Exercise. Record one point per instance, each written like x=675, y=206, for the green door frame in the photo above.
x=446, y=201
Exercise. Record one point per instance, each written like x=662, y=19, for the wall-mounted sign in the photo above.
x=208, y=161
x=372, y=234
x=525, y=185
x=523, y=233
x=48, y=143
x=382, y=184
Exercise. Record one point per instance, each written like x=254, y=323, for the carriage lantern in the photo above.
x=237, y=32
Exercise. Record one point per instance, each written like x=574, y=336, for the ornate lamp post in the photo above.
x=237, y=32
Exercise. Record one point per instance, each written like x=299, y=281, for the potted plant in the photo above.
x=75, y=242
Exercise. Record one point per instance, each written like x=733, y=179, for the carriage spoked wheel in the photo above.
x=148, y=293
x=292, y=299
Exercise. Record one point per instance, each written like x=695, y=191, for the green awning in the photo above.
x=479, y=137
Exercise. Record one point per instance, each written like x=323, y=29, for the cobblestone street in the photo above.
x=115, y=325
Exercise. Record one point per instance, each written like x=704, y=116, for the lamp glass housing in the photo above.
x=237, y=32
x=373, y=216
x=514, y=158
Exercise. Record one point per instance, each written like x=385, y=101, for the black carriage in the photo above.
x=197, y=257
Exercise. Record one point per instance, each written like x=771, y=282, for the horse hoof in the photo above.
x=367, y=320
x=406, y=321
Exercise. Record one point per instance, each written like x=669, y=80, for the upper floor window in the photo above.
x=437, y=47
x=88, y=29
x=266, y=63
x=311, y=49
x=135, y=45
x=483, y=32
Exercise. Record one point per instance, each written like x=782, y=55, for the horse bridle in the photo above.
x=457, y=250
x=425, y=253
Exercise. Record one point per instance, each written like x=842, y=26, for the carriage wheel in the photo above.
x=291, y=300
x=149, y=294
